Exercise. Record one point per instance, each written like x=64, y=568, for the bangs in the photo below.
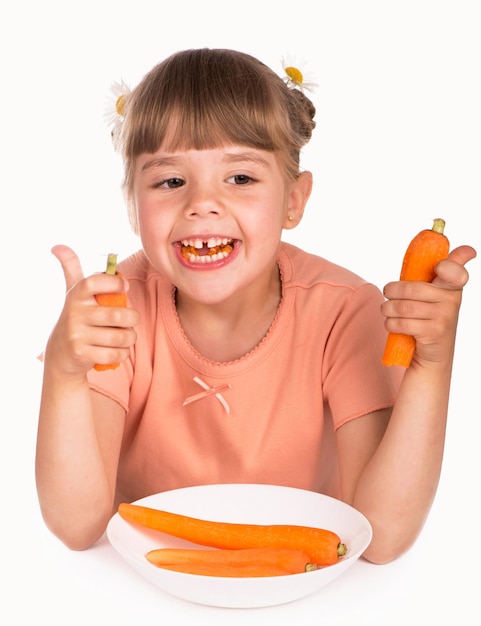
x=217, y=101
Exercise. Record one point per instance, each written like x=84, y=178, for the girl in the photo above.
x=242, y=358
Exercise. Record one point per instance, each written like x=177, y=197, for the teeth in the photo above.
x=193, y=243
x=212, y=242
x=218, y=248
x=207, y=258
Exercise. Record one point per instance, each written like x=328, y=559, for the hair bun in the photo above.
x=303, y=113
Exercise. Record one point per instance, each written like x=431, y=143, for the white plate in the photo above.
x=257, y=504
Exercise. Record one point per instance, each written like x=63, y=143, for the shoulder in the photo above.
x=315, y=282
x=138, y=267
x=147, y=288
x=303, y=269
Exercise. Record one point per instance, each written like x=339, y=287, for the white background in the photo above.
x=397, y=143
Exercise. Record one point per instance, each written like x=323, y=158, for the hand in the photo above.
x=429, y=311
x=87, y=333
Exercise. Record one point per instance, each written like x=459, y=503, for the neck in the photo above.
x=227, y=330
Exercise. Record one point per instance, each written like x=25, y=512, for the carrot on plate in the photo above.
x=422, y=255
x=263, y=559
x=226, y=571
x=322, y=547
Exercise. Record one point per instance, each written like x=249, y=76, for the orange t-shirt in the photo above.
x=268, y=417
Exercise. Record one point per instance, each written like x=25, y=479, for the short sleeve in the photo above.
x=355, y=381
x=114, y=383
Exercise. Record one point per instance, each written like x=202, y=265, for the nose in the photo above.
x=203, y=201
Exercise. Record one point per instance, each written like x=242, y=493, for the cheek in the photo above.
x=153, y=239
x=155, y=232
x=150, y=231
x=148, y=216
x=271, y=216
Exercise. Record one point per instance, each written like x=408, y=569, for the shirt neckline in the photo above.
x=264, y=348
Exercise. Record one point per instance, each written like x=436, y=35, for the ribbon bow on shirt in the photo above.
x=209, y=391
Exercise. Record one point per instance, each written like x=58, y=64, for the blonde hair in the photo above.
x=201, y=99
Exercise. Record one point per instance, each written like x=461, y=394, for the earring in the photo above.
x=290, y=218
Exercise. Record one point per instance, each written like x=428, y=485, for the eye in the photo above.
x=169, y=183
x=240, y=179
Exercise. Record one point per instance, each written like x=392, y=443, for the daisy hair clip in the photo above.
x=114, y=115
x=296, y=78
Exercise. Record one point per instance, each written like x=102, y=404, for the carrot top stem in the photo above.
x=311, y=567
x=438, y=225
x=111, y=264
x=341, y=549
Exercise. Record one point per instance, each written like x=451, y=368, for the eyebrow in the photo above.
x=160, y=161
x=230, y=157
x=254, y=157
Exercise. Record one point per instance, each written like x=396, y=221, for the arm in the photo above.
x=80, y=431
x=390, y=465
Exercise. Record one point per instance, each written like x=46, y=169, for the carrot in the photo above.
x=226, y=571
x=110, y=299
x=290, y=561
x=322, y=547
x=422, y=255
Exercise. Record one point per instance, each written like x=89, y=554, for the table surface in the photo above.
x=434, y=581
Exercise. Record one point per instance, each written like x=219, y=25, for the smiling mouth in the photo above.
x=206, y=251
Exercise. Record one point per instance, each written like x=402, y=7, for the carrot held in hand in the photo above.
x=322, y=547
x=422, y=255
x=110, y=299
x=242, y=560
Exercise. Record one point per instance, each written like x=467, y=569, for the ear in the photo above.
x=298, y=197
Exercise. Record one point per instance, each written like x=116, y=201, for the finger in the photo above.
x=462, y=255
x=70, y=263
x=451, y=273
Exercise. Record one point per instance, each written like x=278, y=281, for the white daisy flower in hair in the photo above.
x=296, y=76
x=116, y=104
x=114, y=113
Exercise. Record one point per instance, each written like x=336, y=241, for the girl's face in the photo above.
x=210, y=220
